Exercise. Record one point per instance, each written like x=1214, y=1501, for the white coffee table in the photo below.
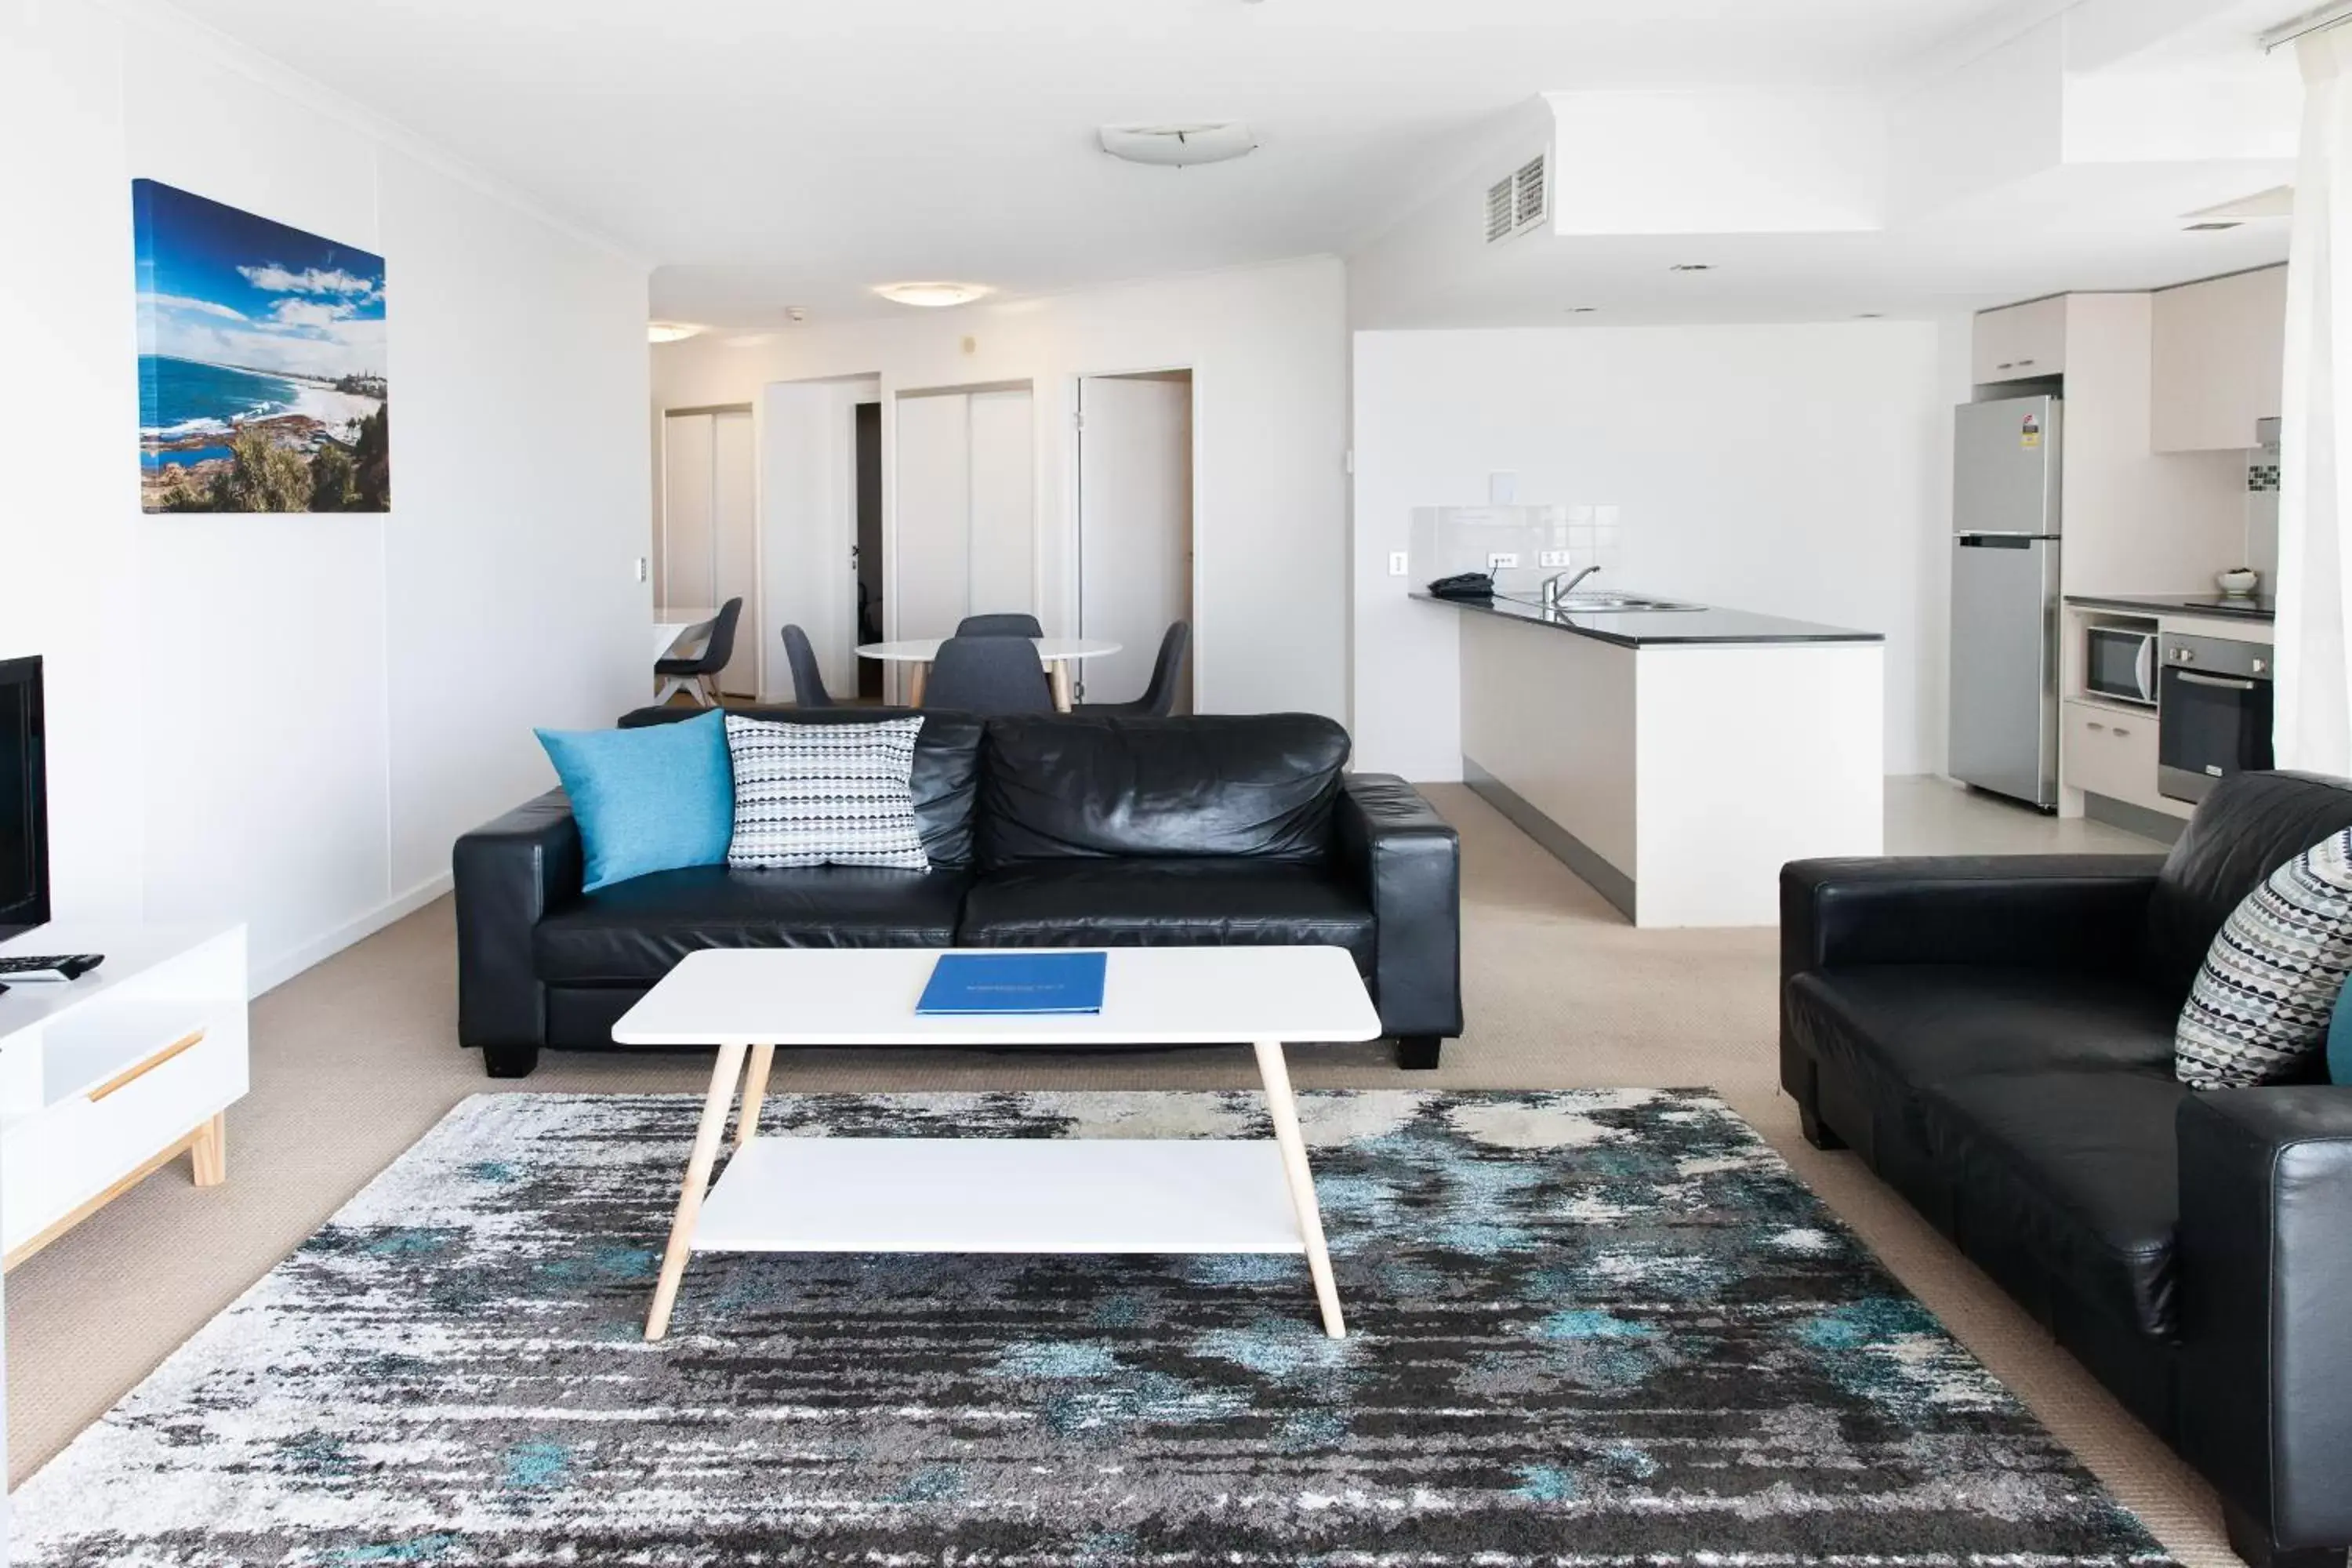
x=972, y=1195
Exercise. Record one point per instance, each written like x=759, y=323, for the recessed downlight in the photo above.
x=1691, y=267
x=672, y=331
x=1582, y=309
x=934, y=295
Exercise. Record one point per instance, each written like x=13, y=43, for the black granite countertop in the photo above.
x=2252, y=607
x=1661, y=628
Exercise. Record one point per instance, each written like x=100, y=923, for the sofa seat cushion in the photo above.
x=2067, y=1181
x=633, y=932
x=1168, y=903
x=1922, y=1023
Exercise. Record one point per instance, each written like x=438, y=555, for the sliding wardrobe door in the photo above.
x=931, y=566
x=1003, y=502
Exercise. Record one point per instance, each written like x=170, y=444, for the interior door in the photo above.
x=807, y=521
x=1135, y=526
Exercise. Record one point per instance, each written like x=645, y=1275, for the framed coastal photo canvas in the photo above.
x=261, y=362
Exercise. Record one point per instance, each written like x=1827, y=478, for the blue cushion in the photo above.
x=2340, y=1038
x=648, y=800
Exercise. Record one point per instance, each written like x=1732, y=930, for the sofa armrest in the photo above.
x=2073, y=911
x=1409, y=859
x=2266, y=1306
x=509, y=874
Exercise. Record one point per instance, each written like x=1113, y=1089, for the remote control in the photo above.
x=30, y=966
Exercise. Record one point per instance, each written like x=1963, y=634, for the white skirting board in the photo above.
x=972, y=1195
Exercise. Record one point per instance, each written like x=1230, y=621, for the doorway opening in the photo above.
x=870, y=621
x=814, y=485
x=706, y=549
x=1135, y=527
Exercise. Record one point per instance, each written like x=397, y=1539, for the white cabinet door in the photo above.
x=2022, y=342
x=2220, y=361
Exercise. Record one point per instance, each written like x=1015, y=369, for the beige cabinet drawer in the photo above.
x=2108, y=751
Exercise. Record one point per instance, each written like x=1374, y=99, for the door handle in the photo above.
x=2224, y=681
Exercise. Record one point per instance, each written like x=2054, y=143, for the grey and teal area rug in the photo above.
x=1604, y=1327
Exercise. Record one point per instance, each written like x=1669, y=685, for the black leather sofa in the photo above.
x=1993, y=1036
x=1047, y=831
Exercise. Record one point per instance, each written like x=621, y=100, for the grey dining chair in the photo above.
x=697, y=674
x=988, y=675
x=808, y=681
x=1159, y=699
x=999, y=627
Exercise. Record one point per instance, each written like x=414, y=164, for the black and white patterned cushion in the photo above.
x=825, y=795
x=2259, y=1011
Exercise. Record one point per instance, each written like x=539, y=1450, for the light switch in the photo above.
x=1399, y=563
x=641, y=566
x=1502, y=489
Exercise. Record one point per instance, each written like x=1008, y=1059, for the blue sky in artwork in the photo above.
x=223, y=287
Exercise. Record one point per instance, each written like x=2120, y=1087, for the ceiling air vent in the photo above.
x=1518, y=201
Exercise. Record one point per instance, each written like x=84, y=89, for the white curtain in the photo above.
x=2314, y=592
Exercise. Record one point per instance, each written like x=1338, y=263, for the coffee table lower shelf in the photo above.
x=973, y=1194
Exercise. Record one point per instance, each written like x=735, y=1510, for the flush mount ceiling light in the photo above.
x=932, y=296
x=671, y=331
x=1178, y=146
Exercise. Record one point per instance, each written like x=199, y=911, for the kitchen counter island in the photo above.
x=1675, y=759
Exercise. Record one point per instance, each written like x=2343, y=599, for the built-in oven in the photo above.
x=2119, y=662
x=2213, y=716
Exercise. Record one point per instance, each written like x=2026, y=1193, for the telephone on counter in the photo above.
x=1465, y=586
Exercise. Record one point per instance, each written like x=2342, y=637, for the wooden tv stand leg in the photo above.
x=208, y=1155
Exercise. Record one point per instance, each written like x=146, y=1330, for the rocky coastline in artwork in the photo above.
x=252, y=440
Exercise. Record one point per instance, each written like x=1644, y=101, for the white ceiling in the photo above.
x=767, y=154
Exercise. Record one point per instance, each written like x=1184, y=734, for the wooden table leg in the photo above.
x=208, y=1155
x=1060, y=670
x=916, y=675
x=1284, y=1110
x=708, y=1135
x=755, y=1090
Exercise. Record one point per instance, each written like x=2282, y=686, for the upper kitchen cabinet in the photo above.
x=2022, y=342
x=2220, y=361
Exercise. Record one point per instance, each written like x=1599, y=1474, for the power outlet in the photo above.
x=1502, y=560
x=1399, y=563
x=1552, y=558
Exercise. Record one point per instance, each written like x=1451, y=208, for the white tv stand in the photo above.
x=105, y=1080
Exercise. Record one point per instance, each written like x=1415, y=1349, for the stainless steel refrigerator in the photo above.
x=2006, y=463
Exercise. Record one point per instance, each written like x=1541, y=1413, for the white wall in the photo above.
x=1268, y=350
x=1795, y=470
x=286, y=719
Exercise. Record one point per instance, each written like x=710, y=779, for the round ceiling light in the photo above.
x=671, y=331
x=933, y=295
x=1179, y=146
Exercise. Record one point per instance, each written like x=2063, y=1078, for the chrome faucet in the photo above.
x=1553, y=594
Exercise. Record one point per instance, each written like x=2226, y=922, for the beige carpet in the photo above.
x=353, y=1060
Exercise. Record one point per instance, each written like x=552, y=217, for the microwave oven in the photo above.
x=2119, y=664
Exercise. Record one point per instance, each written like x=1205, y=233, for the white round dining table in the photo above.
x=1055, y=653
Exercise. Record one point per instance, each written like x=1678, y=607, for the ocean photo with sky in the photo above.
x=261, y=362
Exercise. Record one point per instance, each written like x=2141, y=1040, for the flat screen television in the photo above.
x=23, y=800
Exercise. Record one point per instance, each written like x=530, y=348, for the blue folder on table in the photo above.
x=965, y=984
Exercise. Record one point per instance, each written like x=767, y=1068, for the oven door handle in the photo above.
x=2227, y=682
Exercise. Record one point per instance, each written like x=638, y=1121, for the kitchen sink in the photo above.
x=1600, y=603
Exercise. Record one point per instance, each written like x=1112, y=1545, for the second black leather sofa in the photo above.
x=1048, y=831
